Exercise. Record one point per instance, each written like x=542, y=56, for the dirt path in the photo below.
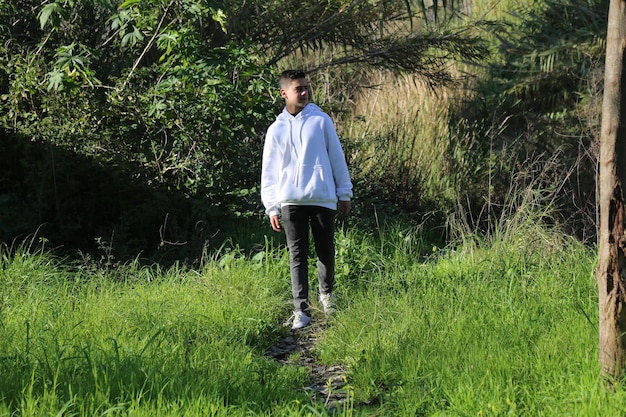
x=327, y=384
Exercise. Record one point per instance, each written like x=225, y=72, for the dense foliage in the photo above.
x=145, y=119
x=138, y=125
x=537, y=109
x=137, y=128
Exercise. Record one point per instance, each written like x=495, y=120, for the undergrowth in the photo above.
x=484, y=327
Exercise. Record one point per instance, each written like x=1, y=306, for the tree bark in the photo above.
x=611, y=272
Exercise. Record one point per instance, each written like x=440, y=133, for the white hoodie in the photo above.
x=303, y=163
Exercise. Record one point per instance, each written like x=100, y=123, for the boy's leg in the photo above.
x=295, y=220
x=323, y=228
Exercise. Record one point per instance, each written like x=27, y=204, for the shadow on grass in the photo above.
x=77, y=205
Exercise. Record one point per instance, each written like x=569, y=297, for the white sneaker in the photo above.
x=328, y=303
x=300, y=320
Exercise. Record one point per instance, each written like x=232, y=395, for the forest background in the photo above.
x=135, y=128
x=138, y=274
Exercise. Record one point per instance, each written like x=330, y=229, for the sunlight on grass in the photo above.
x=486, y=332
x=400, y=126
x=72, y=343
x=489, y=328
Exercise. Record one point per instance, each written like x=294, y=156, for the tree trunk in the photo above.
x=611, y=272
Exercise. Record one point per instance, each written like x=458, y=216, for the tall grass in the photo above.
x=507, y=329
x=504, y=325
x=499, y=323
x=146, y=342
x=398, y=134
x=488, y=328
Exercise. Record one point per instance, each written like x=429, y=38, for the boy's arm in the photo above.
x=269, y=177
x=343, y=184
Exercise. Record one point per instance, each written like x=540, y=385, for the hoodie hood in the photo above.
x=308, y=110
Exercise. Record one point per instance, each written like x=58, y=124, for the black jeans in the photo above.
x=296, y=221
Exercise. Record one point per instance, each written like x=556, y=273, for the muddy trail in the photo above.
x=327, y=383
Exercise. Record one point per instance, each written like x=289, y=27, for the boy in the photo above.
x=304, y=182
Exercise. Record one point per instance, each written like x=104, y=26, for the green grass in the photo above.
x=154, y=343
x=504, y=327
x=478, y=332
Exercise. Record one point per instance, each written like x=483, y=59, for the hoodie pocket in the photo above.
x=313, y=182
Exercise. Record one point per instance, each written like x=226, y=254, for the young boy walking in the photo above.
x=304, y=183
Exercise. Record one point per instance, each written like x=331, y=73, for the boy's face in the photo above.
x=296, y=94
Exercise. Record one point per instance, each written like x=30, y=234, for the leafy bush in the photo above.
x=159, y=146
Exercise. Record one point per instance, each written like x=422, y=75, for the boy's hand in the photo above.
x=275, y=222
x=344, y=208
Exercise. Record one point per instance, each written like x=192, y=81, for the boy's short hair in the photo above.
x=288, y=76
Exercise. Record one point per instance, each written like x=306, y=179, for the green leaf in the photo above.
x=133, y=37
x=220, y=17
x=53, y=10
x=120, y=20
x=129, y=3
x=166, y=42
x=157, y=108
x=55, y=80
x=213, y=81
